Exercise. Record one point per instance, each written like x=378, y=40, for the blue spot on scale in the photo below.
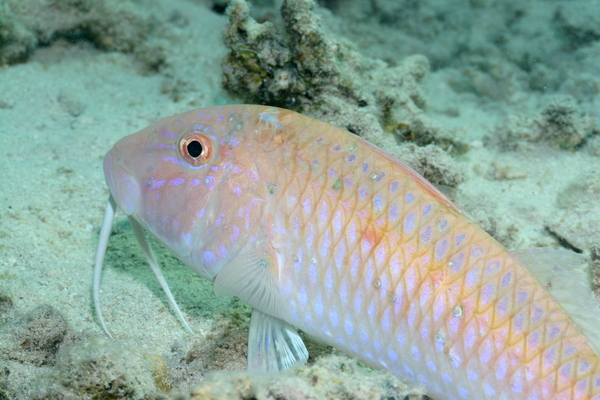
x=209, y=257
x=176, y=182
x=409, y=223
x=334, y=318
x=583, y=366
x=415, y=352
x=426, y=234
x=209, y=181
x=394, y=212
x=377, y=202
x=538, y=313
x=426, y=210
x=477, y=251
x=363, y=335
x=440, y=250
x=348, y=327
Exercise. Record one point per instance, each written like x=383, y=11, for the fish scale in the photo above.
x=442, y=276
x=317, y=229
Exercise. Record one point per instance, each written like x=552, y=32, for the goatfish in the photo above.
x=318, y=230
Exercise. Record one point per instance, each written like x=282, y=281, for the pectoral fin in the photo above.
x=273, y=344
x=252, y=277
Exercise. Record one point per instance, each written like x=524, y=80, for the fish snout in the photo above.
x=122, y=185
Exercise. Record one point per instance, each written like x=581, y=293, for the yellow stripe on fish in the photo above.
x=319, y=230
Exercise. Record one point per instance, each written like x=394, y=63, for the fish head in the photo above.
x=191, y=181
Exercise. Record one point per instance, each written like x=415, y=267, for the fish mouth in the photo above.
x=123, y=187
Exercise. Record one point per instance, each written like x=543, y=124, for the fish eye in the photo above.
x=195, y=149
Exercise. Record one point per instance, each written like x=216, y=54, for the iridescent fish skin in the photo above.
x=337, y=238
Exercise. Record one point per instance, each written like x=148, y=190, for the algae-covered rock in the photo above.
x=4, y=373
x=6, y=306
x=102, y=369
x=593, y=144
x=266, y=67
x=577, y=220
x=563, y=124
x=331, y=378
x=16, y=40
x=433, y=163
x=224, y=347
x=300, y=65
x=112, y=25
x=560, y=123
x=578, y=23
x=37, y=337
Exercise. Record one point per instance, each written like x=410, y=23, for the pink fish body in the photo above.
x=317, y=229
